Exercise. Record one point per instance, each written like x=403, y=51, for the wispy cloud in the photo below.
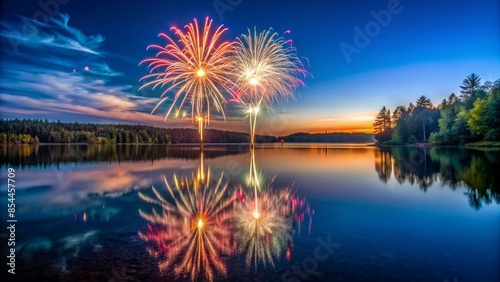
x=62, y=72
x=54, y=34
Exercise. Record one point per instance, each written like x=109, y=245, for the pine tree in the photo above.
x=470, y=84
x=380, y=121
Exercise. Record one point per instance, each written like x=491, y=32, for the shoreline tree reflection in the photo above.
x=474, y=170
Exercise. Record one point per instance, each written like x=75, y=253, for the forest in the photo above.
x=337, y=137
x=471, y=117
x=34, y=131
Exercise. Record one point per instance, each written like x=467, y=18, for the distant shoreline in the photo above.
x=193, y=144
x=27, y=131
x=481, y=144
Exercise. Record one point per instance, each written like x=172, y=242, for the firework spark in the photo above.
x=265, y=69
x=191, y=234
x=196, y=68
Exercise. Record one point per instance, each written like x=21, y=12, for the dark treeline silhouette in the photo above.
x=473, y=116
x=44, y=156
x=329, y=137
x=189, y=135
x=475, y=170
x=33, y=131
x=39, y=131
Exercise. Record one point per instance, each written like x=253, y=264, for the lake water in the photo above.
x=298, y=212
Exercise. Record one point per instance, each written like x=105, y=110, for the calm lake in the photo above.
x=298, y=212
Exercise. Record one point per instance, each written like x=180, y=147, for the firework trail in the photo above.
x=265, y=69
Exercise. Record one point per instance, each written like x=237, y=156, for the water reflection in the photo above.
x=476, y=171
x=201, y=223
x=66, y=248
x=264, y=226
x=264, y=220
x=192, y=233
x=47, y=155
x=83, y=219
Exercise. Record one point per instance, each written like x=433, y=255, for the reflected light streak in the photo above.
x=200, y=174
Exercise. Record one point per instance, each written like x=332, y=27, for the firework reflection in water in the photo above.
x=263, y=233
x=192, y=234
x=264, y=220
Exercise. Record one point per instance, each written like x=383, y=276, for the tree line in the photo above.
x=472, y=116
x=338, y=137
x=28, y=131
x=34, y=131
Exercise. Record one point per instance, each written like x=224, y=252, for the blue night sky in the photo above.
x=425, y=48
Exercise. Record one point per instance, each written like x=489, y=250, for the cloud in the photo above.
x=73, y=188
x=54, y=34
x=61, y=73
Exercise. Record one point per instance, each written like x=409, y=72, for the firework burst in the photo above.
x=265, y=69
x=193, y=232
x=195, y=67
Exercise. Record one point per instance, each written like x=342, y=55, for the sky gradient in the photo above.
x=78, y=61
